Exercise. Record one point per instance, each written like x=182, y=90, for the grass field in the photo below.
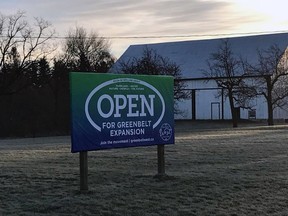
x=227, y=171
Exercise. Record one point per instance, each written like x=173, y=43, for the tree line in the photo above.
x=34, y=75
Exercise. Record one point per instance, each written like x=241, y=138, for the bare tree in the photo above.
x=272, y=69
x=87, y=52
x=228, y=72
x=20, y=45
x=151, y=63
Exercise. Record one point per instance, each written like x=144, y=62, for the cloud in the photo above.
x=134, y=16
x=126, y=17
x=139, y=18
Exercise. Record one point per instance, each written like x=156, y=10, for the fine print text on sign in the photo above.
x=113, y=111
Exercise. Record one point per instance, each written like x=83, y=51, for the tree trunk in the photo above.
x=232, y=107
x=269, y=101
x=56, y=93
x=270, y=114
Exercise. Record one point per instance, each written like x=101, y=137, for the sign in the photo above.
x=116, y=111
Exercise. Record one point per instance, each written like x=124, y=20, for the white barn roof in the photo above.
x=192, y=55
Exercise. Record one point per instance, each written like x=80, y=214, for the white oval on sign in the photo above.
x=119, y=80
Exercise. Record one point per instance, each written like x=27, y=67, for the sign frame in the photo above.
x=146, y=119
x=78, y=108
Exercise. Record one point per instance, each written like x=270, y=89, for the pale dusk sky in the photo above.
x=128, y=22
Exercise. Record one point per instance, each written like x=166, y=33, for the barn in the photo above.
x=205, y=102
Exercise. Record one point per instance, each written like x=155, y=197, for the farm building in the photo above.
x=206, y=103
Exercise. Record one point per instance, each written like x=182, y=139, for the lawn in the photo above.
x=241, y=171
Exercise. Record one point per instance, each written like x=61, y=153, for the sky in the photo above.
x=127, y=22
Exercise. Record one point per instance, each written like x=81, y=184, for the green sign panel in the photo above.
x=114, y=111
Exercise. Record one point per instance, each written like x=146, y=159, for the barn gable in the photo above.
x=192, y=55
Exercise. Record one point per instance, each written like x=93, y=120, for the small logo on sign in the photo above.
x=165, y=132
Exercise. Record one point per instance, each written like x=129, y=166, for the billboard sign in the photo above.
x=114, y=111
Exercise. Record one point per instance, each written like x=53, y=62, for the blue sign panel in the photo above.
x=114, y=111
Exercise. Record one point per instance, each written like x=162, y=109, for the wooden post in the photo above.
x=161, y=160
x=193, y=99
x=222, y=103
x=83, y=171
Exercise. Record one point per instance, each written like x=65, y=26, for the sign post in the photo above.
x=118, y=111
x=161, y=160
x=83, y=156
